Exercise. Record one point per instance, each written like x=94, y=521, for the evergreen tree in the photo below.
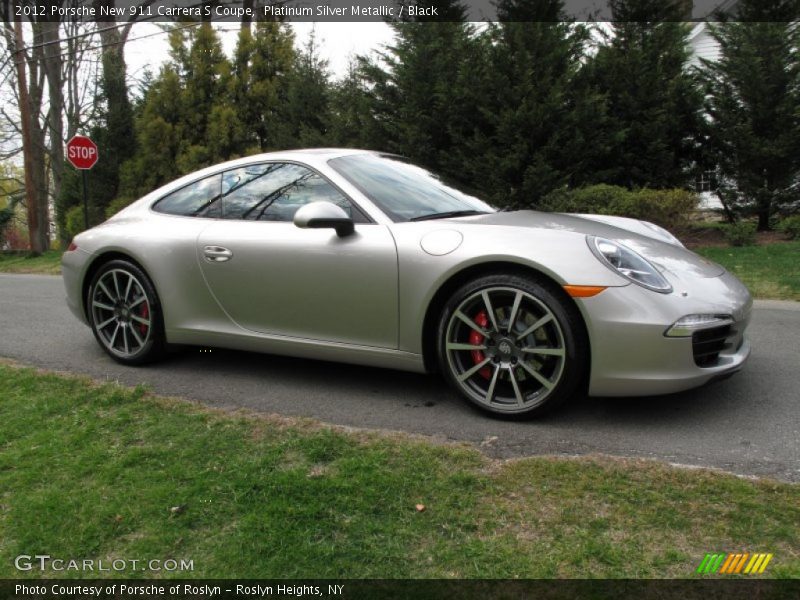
x=262, y=63
x=526, y=104
x=115, y=132
x=753, y=99
x=307, y=110
x=205, y=73
x=653, y=101
x=188, y=118
x=414, y=87
x=382, y=100
x=352, y=124
x=159, y=131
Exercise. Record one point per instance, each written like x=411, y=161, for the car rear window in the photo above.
x=202, y=198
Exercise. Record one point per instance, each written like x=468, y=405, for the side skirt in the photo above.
x=301, y=348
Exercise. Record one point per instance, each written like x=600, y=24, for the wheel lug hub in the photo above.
x=506, y=348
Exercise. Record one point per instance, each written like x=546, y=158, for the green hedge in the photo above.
x=671, y=209
x=791, y=227
x=742, y=233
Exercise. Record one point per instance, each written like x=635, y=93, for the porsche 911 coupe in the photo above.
x=361, y=257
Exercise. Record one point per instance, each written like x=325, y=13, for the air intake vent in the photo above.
x=708, y=343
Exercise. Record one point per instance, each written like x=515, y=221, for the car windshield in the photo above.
x=406, y=192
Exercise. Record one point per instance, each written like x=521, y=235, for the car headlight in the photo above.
x=629, y=264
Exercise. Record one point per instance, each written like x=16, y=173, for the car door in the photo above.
x=273, y=277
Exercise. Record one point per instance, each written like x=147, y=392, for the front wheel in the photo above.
x=512, y=345
x=125, y=314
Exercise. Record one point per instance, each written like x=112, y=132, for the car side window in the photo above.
x=199, y=199
x=275, y=191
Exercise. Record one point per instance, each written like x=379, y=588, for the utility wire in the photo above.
x=72, y=37
x=89, y=33
x=111, y=44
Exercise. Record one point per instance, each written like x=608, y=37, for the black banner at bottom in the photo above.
x=416, y=589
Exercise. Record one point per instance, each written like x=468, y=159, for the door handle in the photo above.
x=217, y=254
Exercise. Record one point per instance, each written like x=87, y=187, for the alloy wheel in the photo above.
x=121, y=313
x=505, y=349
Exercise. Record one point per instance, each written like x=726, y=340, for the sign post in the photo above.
x=82, y=154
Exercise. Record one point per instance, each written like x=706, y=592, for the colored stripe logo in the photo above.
x=733, y=563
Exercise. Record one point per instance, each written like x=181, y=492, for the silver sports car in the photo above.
x=364, y=258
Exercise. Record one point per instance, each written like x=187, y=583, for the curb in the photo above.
x=777, y=304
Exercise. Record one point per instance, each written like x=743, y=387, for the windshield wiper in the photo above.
x=449, y=214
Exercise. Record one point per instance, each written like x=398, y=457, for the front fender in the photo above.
x=563, y=257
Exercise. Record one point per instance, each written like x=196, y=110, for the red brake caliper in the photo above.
x=476, y=339
x=145, y=313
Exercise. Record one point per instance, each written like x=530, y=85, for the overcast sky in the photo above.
x=337, y=42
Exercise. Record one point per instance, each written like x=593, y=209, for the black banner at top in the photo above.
x=121, y=11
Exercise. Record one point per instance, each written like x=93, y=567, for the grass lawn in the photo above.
x=770, y=271
x=93, y=471
x=48, y=263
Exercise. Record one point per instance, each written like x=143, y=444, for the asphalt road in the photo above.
x=748, y=424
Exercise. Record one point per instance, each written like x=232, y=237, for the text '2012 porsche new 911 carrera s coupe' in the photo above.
x=361, y=257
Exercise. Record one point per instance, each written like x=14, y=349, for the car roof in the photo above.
x=310, y=155
x=324, y=153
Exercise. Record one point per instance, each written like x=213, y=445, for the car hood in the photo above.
x=664, y=254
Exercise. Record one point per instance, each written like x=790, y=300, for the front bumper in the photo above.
x=631, y=356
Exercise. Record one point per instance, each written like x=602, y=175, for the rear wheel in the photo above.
x=512, y=345
x=125, y=314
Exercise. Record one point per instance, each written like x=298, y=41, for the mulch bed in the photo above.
x=694, y=238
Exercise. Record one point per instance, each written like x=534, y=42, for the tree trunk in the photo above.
x=730, y=216
x=39, y=160
x=763, y=216
x=31, y=187
x=55, y=118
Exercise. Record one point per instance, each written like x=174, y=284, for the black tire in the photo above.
x=125, y=314
x=521, y=362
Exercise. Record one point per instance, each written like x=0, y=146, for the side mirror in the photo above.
x=324, y=215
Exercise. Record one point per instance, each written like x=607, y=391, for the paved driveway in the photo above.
x=749, y=424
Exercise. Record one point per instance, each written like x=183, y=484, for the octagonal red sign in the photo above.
x=82, y=152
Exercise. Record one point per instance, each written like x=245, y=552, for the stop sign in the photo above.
x=82, y=152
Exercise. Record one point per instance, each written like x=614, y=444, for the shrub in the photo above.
x=594, y=199
x=6, y=215
x=16, y=238
x=73, y=222
x=671, y=209
x=740, y=234
x=8, y=210
x=791, y=227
